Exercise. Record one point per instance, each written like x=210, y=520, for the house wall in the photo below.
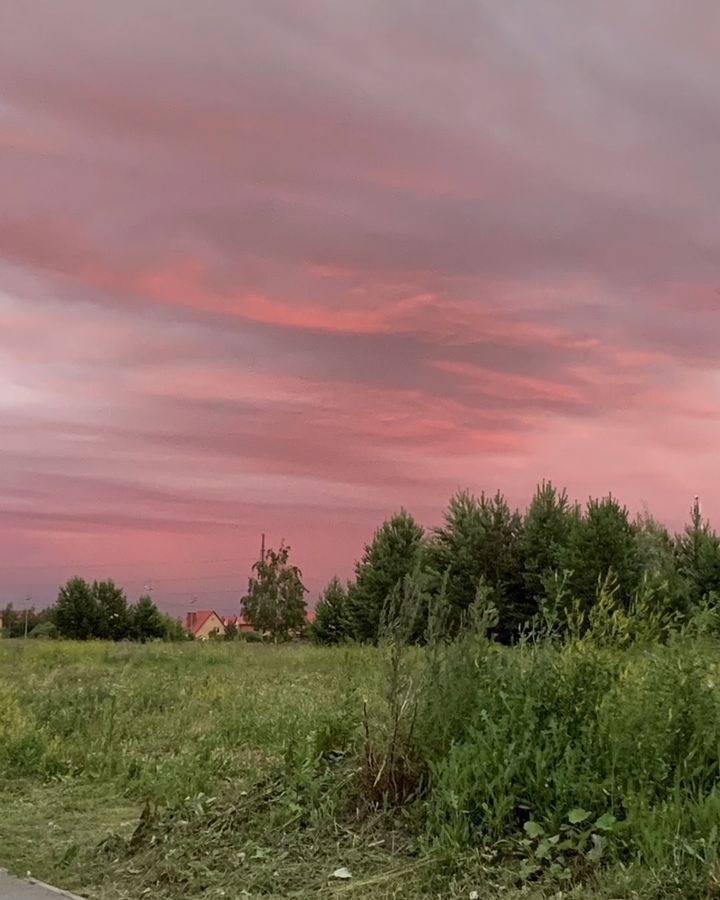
x=212, y=623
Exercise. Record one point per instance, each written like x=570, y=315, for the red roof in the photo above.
x=195, y=620
x=240, y=622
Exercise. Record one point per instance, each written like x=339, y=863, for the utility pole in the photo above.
x=27, y=610
x=262, y=561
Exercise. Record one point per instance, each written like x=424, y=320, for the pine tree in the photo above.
x=394, y=552
x=546, y=529
x=332, y=623
x=146, y=620
x=656, y=560
x=698, y=559
x=478, y=547
x=601, y=544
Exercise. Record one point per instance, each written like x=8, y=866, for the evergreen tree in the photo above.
x=601, y=543
x=546, y=528
x=655, y=547
x=332, y=623
x=697, y=557
x=275, y=603
x=657, y=564
x=113, y=611
x=478, y=546
x=76, y=612
x=394, y=552
x=146, y=620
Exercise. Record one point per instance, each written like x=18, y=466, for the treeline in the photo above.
x=552, y=568
x=100, y=611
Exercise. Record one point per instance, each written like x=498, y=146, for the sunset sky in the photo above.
x=283, y=266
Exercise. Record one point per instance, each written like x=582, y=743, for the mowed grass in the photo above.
x=90, y=733
x=231, y=770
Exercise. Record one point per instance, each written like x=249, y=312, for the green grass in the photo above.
x=230, y=770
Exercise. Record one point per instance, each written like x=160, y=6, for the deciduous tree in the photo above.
x=76, y=612
x=275, y=603
x=113, y=611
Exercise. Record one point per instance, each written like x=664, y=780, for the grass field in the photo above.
x=229, y=770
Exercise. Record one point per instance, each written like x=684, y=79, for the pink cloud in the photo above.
x=286, y=268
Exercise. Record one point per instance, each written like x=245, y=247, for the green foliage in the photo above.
x=275, y=603
x=546, y=769
x=113, y=622
x=394, y=552
x=18, y=622
x=656, y=551
x=173, y=629
x=546, y=529
x=250, y=637
x=478, y=544
x=44, y=631
x=611, y=622
x=655, y=548
x=101, y=611
x=602, y=541
x=577, y=842
x=231, y=632
x=583, y=758
x=698, y=559
x=546, y=573
x=535, y=732
x=332, y=622
x=147, y=622
x=76, y=613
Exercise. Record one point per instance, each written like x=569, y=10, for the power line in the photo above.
x=148, y=564
x=234, y=591
x=160, y=581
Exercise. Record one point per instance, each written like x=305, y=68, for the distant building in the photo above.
x=240, y=622
x=204, y=622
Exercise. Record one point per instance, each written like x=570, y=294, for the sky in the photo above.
x=281, y=267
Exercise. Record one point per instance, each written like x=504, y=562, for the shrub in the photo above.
x=44, y=630
x=251, y=637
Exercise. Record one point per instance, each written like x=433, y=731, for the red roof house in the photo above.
x=203, y=622
x=240, y=622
